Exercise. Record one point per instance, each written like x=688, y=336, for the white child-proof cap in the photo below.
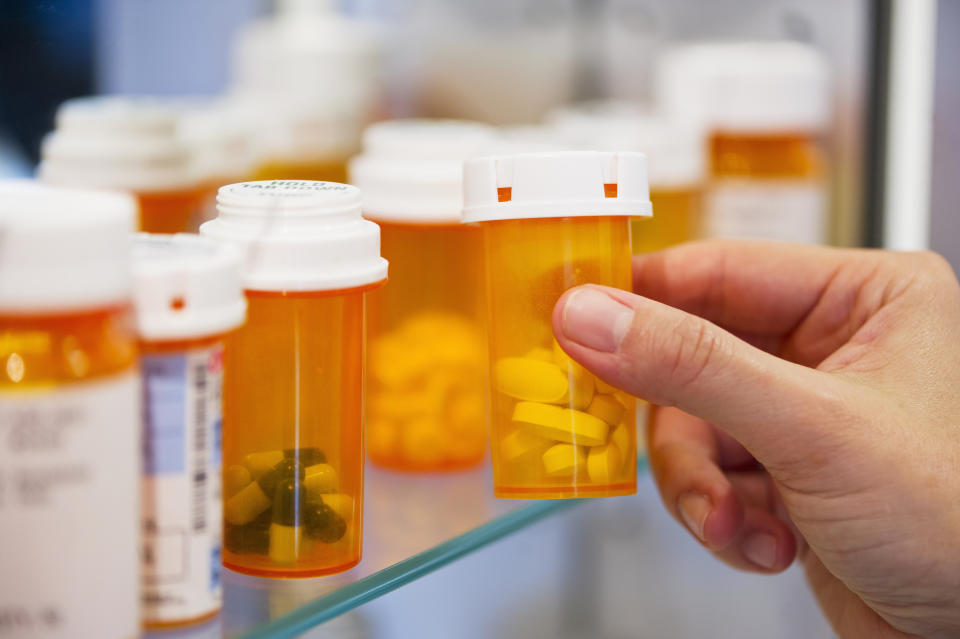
x=412, y=170
x=763, y=87
x=186, y=287
x=63, y=249
x=559, y=184
x=118, y=142
x=675, y=149
x=299, y=235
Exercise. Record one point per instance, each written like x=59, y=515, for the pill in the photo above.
x=319, y=479
x=288, y=498
x=563, y=460
x=235, y=479
x=605, y=388
x=285, y=543
x=559, y=355
x=606, y=407
x=307, y=456
x=620, y=437
x=323, y=523
x=422, y=442
x=603, y=463
x=290, y=467
x=540, y=353
x=259, y=463
x=341, y=504
x=247, y=504
x=561, y=424
x=530, y=379
x=581, y=382
x=253, y=538
x=520, y=443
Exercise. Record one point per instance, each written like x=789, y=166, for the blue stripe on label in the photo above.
x=164, y=389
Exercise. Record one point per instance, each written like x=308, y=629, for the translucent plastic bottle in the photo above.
x=69, y=418
x=292, y=426
x=188, y=297
x=131, y=145
x=765, y=107
x=313, y=78
x=426, y=390
x=552, y=221
x=677, y=155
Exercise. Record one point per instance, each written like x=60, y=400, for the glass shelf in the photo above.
x=413, y=525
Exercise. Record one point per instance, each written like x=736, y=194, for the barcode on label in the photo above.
x=200, y=445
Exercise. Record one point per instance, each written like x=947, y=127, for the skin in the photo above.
x=808, y=409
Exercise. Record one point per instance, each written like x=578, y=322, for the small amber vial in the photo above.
x=188, y=298
x=426, y=389
x=132, y=145
x=552, y=221
x=69, y=390
x=293, y=378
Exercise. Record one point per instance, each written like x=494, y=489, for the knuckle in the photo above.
x=696, y=347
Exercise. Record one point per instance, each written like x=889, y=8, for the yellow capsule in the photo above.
x=235, y=479
x=606, y=407
x=530, y=380
x=620, y=437
x=319, y=479
x=581, y=382
x=259, y=463
x=286, y=543
x=246, y=505
x=563, y=460
x=605, y=388
x=520, y=443
x=341, y=504
x=603, y=463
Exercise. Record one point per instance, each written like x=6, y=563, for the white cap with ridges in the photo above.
x=299, y=235
x=558, y=184
x=63, y=249
x=763, y=87
x=186, y=287
x=118, y=142
x=412, y=170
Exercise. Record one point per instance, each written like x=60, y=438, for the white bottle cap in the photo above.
x=412, y=170
x=751, y=87
x=560, y=184
x=118, y=142
x=219, y=135
x=299, y=235
x=63, y=249
x=676, y=150
x=186, y=287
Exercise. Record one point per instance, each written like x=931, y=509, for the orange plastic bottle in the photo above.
x=292, y=427
x=69, y=418
x=426, y=391
x=552, y=221
x=188, y=298
x=132, y=145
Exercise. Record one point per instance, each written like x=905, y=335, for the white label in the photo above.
x=69, y=479
x=181, y=488
x=784, y=210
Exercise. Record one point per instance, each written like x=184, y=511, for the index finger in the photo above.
x=764, y=288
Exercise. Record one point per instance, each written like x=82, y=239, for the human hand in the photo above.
x=810, y=408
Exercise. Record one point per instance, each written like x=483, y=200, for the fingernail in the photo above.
x=595, y=320
x=694, y=509
x=761, y=549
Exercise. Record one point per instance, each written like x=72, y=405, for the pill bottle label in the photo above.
x=69, y=498
x=181, y=489
x=783, y=210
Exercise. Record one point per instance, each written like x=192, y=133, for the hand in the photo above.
x=810, y=407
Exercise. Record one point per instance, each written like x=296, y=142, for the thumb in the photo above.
x=773, y=407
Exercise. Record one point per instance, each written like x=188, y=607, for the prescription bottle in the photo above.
x=313, y=77
x=676, y=151
x=293, y=376
x=129, y=144
x=426, y=390
x=187, y=297
x=551, y=221
x=765, y=108
x=69, y=415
